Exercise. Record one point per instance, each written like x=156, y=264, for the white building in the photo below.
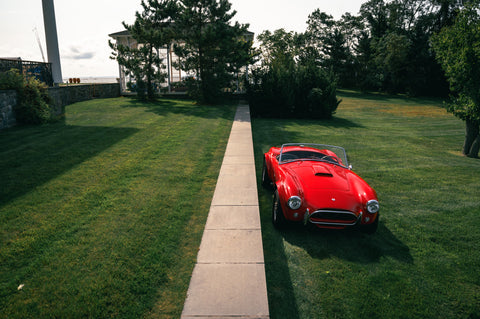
x=174, y=75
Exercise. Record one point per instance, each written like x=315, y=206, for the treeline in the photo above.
x=386, y=47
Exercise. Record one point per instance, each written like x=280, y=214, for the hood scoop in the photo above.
x=320, y=170
x=324, y=174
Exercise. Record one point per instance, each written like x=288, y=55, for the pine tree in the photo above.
x=210, y=47
x=152, y=30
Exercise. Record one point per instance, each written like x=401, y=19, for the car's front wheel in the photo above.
x=278, y=219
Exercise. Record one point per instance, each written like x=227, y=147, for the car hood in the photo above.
x=319, y=176
x=325, y=185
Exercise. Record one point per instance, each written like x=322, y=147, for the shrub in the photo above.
x=138, y=86
x=287, y=89
x=11, y=80
x=272, y=92
x=194, y=90
x=322, y=103
x=316, y=92
x=33, y=105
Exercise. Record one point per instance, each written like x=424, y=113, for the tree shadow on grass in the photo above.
x=163, y=107
x=385, y=97
x=334, y=122
x=281, y=296
x=374, y=96
x=32, y=156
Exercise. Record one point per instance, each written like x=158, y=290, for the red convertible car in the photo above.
x=314, y=184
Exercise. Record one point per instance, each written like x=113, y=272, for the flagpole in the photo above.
x=52, y=40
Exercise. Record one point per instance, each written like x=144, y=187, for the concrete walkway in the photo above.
x=229, y=277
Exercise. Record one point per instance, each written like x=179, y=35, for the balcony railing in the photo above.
x=40, y=70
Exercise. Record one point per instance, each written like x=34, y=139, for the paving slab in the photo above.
x=217, y=246
x=234, y=292
x=228, y=280
x=237, y=175
x=240, y=149
x=238, y=160
x=229, y=195
x=233, y=217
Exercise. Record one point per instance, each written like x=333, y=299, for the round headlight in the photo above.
x=373, y=206
x=294, y=202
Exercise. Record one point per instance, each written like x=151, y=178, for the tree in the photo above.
x=392, y=58
x=376, y=15
x=211, y=47
x=152, y=30
x=393, y=52
x=446, y=13
x=278, y=45
x=272, y=91
x=458, y=51
x=333, y=41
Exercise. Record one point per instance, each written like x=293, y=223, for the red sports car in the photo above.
x=313, y=183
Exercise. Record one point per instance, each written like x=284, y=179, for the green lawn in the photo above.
x=101, y=216
x=424, y=261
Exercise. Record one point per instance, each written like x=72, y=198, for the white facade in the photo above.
x=166, y=53
x=174, y=75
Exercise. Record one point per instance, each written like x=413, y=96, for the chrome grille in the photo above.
x=334, y=217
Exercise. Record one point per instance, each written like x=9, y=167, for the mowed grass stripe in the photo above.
x=103, y=236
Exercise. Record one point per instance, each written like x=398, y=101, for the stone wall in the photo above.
x=61, y=96
x=65, y=95
x=8, y=100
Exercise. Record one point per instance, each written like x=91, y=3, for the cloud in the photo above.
x=76, y=53
x=78, y=56
x=84, y=56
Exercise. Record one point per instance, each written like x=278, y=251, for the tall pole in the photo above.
x=169, y=63
x=52, y=40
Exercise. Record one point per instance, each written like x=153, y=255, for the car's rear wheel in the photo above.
x=371, y=228
x=278, y=219
x=266, y=181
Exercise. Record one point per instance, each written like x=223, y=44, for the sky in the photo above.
x=83, y=27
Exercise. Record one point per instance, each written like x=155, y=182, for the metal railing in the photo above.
x=39, y=70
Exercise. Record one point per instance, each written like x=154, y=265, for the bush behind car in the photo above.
x=289, y=90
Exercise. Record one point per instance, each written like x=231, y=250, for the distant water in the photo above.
x=95, y=79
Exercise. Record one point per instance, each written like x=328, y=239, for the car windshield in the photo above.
x=313, y=152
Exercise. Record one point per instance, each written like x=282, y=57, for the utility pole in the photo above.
x=52, y=40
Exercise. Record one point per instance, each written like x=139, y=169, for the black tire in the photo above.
x=371, y=228
x=278, y=219
x=266, y=181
